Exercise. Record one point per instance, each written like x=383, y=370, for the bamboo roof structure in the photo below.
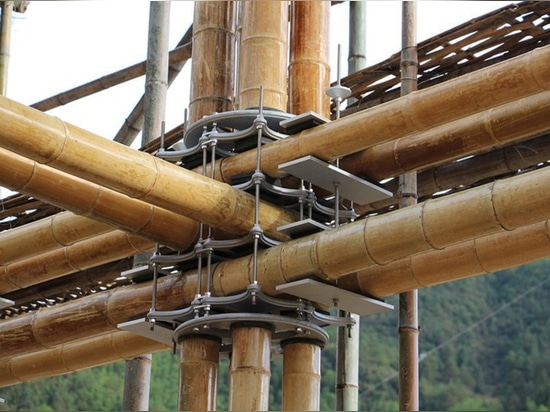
x=82, y=244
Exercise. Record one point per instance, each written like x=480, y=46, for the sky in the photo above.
x=58, y=45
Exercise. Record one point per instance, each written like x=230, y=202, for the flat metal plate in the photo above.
x=302, y=121
x=142, y=327
x=302, y=228
x=327, y=295
x=325, y=175
x=6, y=303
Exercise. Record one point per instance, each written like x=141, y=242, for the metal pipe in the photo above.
x=212, y=65
x=250, y=369
x=309, y=69
x=136, y=174
x=199, y=364
x=483, y=255
x=5, y=40
x=301, y=376
x=379, y=240
x=264, y=55
x=418, y=112
x=408, y=301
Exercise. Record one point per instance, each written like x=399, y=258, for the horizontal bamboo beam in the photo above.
x=92, y=201
x=496, y=127
x=45, y=139
x=180, y=53
x=495, y=252
x=378, y=240
x=82, y=255
x=417, y=112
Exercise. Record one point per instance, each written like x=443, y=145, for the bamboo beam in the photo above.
x=263, y=55
x=212, y=65
x=481, y=256
x=250, y=368
x=139, y=175
x=309, y=70
x=179, y=54
x=5, y=40
x=92, y=201
x=418, y=112
x=378, y=240
x=199, y=364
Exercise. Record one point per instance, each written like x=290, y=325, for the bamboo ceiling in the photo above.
x=494, y=37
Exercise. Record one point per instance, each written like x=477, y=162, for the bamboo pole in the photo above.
x=481, y=256
x=408, y=301
x=5, y=40
x=378, y=240
x=418, y=112
x=179, y=54
x=138, y=175
x=301, y=376
x=199, y=364
x=263, y=55
x=309, y=70
x=94, y=201
x=212, y=69
x=250, y=370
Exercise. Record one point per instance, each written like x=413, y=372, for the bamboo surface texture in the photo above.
x=212, y=68
x=378, y=240
x=263, y=55
x=301, y=376
x=199, y=364
x=309, y=69
x=417, y=112
x=250, y=368
x=139, y=175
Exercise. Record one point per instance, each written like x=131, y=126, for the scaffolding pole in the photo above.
x=408, y=301
x=5, y=38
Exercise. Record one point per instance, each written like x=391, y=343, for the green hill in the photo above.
x=483, y=343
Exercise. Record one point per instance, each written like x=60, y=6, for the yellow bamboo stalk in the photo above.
x=495, y=252
x=85, y=198
x=212, y=69
x=420, y=111
x=199, y=363
x=250, y=370
x=139, y=175
x=435, y=224
x=82, y=255
x=263, y=54
x=309, y=70
x=301, y=376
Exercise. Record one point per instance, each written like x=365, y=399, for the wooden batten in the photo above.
x=212, y=69
x=263, y=55
x=309, y=69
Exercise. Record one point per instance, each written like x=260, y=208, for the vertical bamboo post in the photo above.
x=309, y=70
x=5, y=39
x=263, y=54
x=408, y=302
x=137, y=378
x=199, y=364
x=212, y=64
x=250, y=368
x=301, y=376
x=347, y=376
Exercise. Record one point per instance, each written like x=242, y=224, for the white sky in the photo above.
x=58, y=45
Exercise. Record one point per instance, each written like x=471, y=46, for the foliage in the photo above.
x=483, y=346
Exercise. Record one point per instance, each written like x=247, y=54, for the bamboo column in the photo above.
x=309, y=70
x=5, y=40
x=408, y=301
x=250, y=369
x=213, y=68
x=301, y=376
x=199, y=364
x=263, y=54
